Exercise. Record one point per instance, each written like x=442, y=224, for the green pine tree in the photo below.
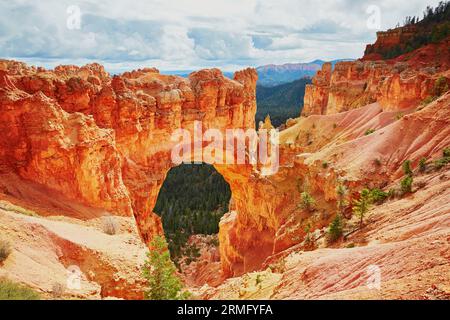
x=160, y=273
x=336, y=228
x=362, y=205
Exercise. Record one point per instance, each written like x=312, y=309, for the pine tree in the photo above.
x=160, y=273
x=335, y=229
x=307, y=202
x=362, y=205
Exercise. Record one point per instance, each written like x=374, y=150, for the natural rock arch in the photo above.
x=105, y=141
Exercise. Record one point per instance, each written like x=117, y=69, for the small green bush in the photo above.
x=440, y=163
x=440, y=86
x=446, y=152
x=13, y=291
x=406, y=184
x=378, y=195
x=336, y=229
x=362, y=205
x=324, y=164
x=428, y=100
x=369, y=131
x=407, y=167
x=308, y=201
x=258, y=279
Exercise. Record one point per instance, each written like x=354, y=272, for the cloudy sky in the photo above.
x=191, y=34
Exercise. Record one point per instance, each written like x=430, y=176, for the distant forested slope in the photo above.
x=280, y=102
x=192, y=200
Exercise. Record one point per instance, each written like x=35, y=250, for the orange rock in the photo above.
x=397, y=84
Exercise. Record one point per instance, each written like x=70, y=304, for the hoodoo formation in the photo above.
x=80, y=147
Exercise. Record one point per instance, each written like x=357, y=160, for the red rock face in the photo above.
x=391, y=38
x=398, y=84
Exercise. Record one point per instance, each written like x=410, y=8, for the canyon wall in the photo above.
x=397, y=84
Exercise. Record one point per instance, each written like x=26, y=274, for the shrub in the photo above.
x=307, y=201
x=308, y=240
x=5, y=250
x=423, y=164
x=109, y=225
x=13, y=291
x=335, y=230
x=369, y=131
x=377, y=162
x=398, y=116
x=362, y=205
x=378, y=196
x=440, y=86
x=446, y=152
x=428, y=100
x=258, y=279
x=440, y=163
x=407, y=167
x=406, y=184
x=160, y=273
x=324, y=164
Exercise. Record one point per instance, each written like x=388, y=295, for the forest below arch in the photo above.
x=191, y=201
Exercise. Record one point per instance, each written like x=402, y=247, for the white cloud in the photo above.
x=190, y=34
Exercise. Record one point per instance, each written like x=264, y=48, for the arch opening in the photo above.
x=191, y=202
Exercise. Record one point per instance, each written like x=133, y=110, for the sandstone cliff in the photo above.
x=397, y=84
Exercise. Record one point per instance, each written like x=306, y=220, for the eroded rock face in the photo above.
x=397, y=84
x=356, y=84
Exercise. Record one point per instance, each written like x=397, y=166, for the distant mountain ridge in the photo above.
x=272, y=74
